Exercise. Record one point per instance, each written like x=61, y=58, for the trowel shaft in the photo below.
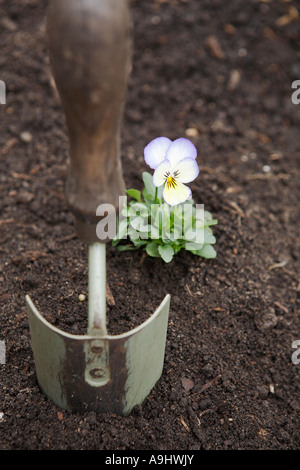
x=97, y=290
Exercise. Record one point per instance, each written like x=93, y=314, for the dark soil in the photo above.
x=224, y=70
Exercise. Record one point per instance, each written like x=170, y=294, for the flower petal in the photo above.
x=159, y=176
x=186, y=171
x=176, y=195
x=180, y=149
x=155, y=151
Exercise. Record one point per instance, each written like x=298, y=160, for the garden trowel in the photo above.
x=90, y=50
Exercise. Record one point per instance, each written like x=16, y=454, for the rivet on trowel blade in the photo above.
x=97, y=362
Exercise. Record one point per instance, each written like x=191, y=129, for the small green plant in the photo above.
x=162, y=219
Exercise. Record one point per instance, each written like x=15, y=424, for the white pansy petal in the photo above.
x=180, y=149
x=161, y=172
x=177, y=194
x=186, y=171
x=155, y=151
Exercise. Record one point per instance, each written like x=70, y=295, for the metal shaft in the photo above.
x=97, y=290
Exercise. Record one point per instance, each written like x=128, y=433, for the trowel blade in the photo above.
x=107, y=374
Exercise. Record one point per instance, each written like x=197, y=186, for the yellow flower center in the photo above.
x=171, y=182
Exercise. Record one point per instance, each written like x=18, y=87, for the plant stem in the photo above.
x=155, y=197
x=172, y=218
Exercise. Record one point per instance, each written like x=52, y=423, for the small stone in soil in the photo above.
x=187, y=384
x=266, y=321
x=26, y=137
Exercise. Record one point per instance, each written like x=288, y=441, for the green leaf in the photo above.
x=138, y=242
x=135, y=194
x=148, y=182
x=122, y=230
x=152, y=249
x=166, y=252
x=132, y=233
x=174, y=235
x=208, y=236
x=193, y=247
x=147, y=197
x=211, y=222
x=161, y=216
x=207, y=251
x=160, y=190
x=138, y=209
x=207, y=216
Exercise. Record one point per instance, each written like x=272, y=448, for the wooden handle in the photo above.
x=90, y=55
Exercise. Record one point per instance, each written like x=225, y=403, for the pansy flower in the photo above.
x=174, y=164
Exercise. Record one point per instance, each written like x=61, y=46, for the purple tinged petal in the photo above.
x=155, y=151
x=180, y=149
x=186, y=171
